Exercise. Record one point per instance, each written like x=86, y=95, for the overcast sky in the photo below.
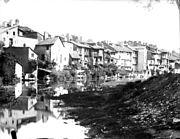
x=114, y=20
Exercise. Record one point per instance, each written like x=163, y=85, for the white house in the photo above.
x=53, y=50
x=19, y=36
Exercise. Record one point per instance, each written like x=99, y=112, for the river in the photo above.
x=33, y=115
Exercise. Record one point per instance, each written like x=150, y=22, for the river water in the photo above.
x=32, y=115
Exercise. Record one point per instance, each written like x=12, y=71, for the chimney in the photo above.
x=4, y=24
x=9, y=23
x=17, y=22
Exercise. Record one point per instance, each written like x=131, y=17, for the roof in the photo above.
x=49, y=41
x=122, y=49
x=108, y=47
x=21, y=103
x=19, y=49
x=75, y=55
x=4, y=29
x=96, y=47
x=163, y=51
x=80, y=44
x=172, y=58
x=24, y=28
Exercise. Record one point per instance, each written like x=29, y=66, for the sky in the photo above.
x=113, y=20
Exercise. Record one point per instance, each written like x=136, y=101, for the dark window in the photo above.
x=43, y=56
x=7, y=32
x=24, y=45
x=14, y=33
x=10, y=42
x=32, y=55
x=47, y=48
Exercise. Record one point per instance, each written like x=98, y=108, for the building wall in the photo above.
x=18, y=41
x=12, y=118
x=59, y=54
x=142, y=59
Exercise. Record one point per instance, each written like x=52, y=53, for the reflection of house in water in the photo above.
x=21, y=112
x=18, y=89
x=50, y=107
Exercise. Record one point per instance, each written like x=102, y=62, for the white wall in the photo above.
x=17, y=40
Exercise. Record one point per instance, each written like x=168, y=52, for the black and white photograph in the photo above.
x=89, y=69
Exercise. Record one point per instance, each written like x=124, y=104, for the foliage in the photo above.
x=7, y=66
x=46, y=64
x=33, y=64
x=110, y=69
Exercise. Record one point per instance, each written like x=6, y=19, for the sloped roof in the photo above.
x=80, y=44
x=24, y=28
x=163, y=51
x=96, y=47
x=4, y=29
x=122, y=49
x=49, y=41
x=172, y=58
x=108, y=47
x=21, y=103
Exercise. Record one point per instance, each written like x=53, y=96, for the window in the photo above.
x=32, y=55
x=47, y=48
x=10, y=42
x=43, y=56
x=24, y=45
x=7, y=32
x=14, y=33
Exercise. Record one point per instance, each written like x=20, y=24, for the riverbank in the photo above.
x=136, y=110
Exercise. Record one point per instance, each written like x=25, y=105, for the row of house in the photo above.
x=131, y=56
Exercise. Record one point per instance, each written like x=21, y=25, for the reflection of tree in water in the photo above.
x=1, y=114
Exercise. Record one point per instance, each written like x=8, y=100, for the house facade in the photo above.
x=53, y=50
x=19, y=36
x=74, y=58
x=83, y=51
x=97, y=53
x=124, y=56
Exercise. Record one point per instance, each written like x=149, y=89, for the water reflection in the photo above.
x=33, y=115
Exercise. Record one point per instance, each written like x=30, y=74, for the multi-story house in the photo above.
x=164, y=65
x=124, y=57
x=83, y=51
x=74, y=58
x=97, y=53
x=18, y=36
x=53, y=51
x=109, y=51
x=134, y=59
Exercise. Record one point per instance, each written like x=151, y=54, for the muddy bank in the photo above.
x=136, y=110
